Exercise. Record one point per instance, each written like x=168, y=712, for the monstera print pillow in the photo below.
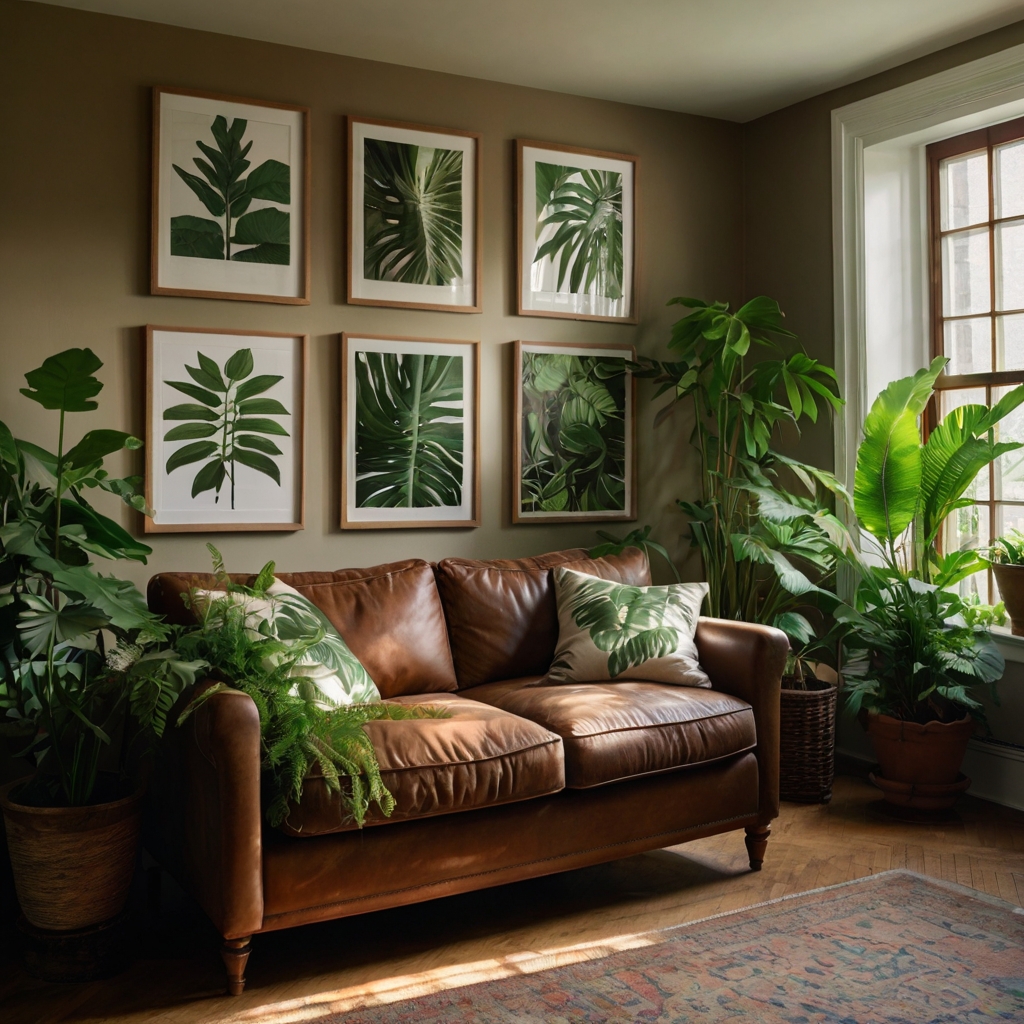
x=613, y=631
x=329, y=673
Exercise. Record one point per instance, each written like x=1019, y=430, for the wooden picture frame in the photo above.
x=397, y=267
x=606, y=288
x=191, y=249
x=187, y=370
x=562, y=476
x=381, y=391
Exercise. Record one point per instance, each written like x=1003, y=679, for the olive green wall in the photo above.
x=74, y=252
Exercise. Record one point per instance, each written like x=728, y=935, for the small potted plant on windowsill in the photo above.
x=1006, y=557
x=914, y=649
x=77, y=668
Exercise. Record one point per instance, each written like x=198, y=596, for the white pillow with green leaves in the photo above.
x=330, y=673
x=612, y=631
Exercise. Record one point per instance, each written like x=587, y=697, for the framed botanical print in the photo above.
x=410, y=428
x=413, y=216
x=576, y=232
x=230, y=198
x=575, y=433
x=225, y=430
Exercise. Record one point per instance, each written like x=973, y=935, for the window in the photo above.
x=976, y=193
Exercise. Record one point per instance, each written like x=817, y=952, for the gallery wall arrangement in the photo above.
x=225, y=413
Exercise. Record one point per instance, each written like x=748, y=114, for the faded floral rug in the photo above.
x=895, y=947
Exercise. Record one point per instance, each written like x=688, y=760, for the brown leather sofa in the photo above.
x=520, y=780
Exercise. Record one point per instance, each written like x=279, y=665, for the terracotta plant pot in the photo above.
x=926, y=756
x=72, y=866
x=1010, y=581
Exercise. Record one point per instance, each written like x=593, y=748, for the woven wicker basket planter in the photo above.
x=808, y=743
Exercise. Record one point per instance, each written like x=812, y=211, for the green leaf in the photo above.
x=196, y=236
x=209, y=478
x=207, y=196
x=190, y=453
x=196, y=392
x=119, y=600
x=260, y=383
x=268, y=252
x=262, y=406
x=102, y=535
x=188, y=411
x=40, y=623
x=261, y=426
x=97, y=444
x=254, y=460
x=190, y=431
x=259, y=443
x=887, y=483
x=65, y=381
x=271, y=180
x=763, y=313
x=239, y=365
x=8, y=447
x=266, y=225
x=412, y=213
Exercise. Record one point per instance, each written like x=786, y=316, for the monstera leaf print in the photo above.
x=409, y=430
x=579, y=226
x=573, y=430
x=227, y=194
x=226, y=424
x=627, y=622
x=412, y=208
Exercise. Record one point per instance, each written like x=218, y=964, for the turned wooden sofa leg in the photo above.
x=757, y=843
x=234, y=953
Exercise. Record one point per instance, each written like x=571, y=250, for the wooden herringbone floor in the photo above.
x=308, y=972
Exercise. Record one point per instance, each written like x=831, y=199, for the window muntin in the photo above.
x=977, y=247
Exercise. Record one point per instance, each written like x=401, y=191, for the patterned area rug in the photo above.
x=895, y=947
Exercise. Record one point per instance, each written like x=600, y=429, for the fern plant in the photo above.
x=298, y=734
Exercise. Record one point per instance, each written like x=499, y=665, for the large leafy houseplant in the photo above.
x=763, y=523
x=911, y=653
x=77, y=648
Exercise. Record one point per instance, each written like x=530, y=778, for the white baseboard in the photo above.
x=996, y=771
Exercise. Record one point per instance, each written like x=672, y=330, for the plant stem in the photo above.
x=415, y=410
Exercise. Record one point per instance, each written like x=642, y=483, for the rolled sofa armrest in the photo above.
x=204, y=820
x=747, y=660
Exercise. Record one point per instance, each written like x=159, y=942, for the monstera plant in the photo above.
x=80, y=660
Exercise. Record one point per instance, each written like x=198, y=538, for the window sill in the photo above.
x=1011, y=647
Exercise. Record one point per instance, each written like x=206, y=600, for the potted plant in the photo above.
x=78, y=667
x=768, y=550
x=914, y=649
x=1006, y=557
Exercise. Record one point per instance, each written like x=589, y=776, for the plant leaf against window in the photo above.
x=220, y=428
x=410, y=430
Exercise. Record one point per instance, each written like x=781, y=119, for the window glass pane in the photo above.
x=963, y=184
x=1010, y=265
x=979, y=489
x=967, y=528
x=1009, y=179
x=968, y=343
x=965, y=276
x=1010, y=342
x=1008, y=469
x=1009, y=517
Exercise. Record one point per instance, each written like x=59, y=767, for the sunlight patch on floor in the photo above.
x=440, y=979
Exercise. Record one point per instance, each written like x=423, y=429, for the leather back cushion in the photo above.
x=502, y=616
x=389, y=615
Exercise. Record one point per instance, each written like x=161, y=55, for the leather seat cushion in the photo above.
x=502, y=616
x=478, y=757
x=389, y=615
x=615, y=731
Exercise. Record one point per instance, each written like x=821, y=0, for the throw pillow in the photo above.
x=331, y=673
x=615, y=631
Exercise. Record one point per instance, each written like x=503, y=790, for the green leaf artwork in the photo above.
x=412, y=208
x=629, y=623
x=579, y=227
x=410, y=430
x=226, y=425
x=227, y=193
x=573, y=454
